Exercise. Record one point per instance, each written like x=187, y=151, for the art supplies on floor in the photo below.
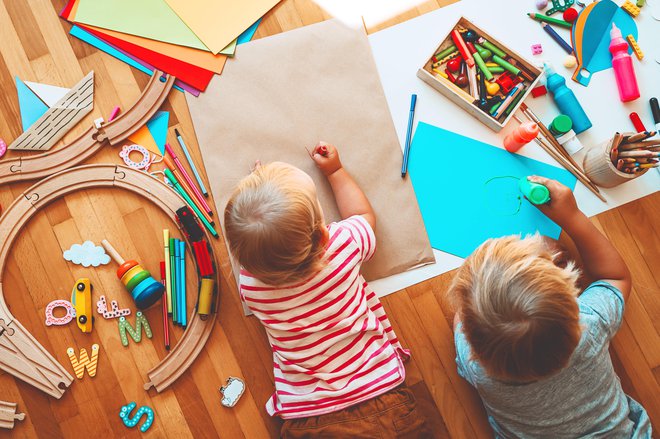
x=466, y=201
x=294, y=107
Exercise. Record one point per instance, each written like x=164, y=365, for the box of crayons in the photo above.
x=480, y=74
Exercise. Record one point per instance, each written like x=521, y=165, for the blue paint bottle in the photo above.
x=566, y=100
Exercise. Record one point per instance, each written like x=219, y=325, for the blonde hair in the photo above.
x=273, y=225
x=518, y=309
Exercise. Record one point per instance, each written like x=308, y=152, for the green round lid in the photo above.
x=561, y=124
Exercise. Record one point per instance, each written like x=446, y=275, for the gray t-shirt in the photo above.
x=583, y=400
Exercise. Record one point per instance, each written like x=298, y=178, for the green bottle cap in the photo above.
x=561, y=125
x=536, y=193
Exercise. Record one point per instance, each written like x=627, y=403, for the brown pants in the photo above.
x=391, y=415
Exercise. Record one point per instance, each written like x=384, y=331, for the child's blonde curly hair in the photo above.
x=518, y=309
x=273, y=223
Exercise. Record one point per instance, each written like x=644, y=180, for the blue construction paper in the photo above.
x=92, y=40
x=460, y=207
x=248, y=33
x=157, y=126
x=32, y=108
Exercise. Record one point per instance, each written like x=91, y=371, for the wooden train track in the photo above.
x=21, y=355
x=8, y=415
x=87, y=144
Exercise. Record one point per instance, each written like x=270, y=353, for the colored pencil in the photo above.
x=641, y=153
x=411, y=118
x=168, y=280
x=639, y=136
x=555, y=36
x=190, y=162
x=179, y=165
x=182, y=273
x=558, y=22
x=173, y=274
x=166, y=329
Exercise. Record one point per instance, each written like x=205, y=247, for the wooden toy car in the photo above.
x=81, y=298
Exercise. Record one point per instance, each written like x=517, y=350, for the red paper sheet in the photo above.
x=188, y=73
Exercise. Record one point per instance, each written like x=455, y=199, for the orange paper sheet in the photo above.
x=218, y=22
x=144, y=138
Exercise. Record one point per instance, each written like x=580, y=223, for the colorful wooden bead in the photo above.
x=570, y=15
x=132, y=421
x=454, y=64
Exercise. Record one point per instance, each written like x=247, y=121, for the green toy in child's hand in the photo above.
x=536, y=193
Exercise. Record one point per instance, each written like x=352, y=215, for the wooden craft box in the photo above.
x=448, y=89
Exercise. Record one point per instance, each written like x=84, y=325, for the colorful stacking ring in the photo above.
x=147, y=292
x=123, y=268
x=131, y=273
x=135, y=280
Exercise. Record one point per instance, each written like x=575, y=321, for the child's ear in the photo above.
x=325, y=235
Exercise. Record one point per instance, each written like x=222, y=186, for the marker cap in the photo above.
x=655, y=109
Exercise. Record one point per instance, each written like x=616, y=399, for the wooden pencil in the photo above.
x=641, y=144
x=641, y=153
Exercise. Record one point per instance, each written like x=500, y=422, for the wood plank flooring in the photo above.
x=36, y=47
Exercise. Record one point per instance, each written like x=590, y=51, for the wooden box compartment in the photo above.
x=531, y=76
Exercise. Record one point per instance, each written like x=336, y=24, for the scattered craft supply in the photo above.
x=136, y=334
x=541, y=4
x=559, y=6
x=537, y=49
x=98, y=122
x=232, y=391
x=114, y=312
x=31, y=107
x=631, y=8
x=635, y=47
x=59, y=119
x=622, y=64
x=132, y=421
x=637, y=122
x=153, y=134
x=591, y=36
x=570, y=62
x=51, y=320
x=539, y=91
x=191, y=163
x=30, y=361
x=85, y=362
x=570, y=15
x=144, y=164
x=81, y=299
x=8, y=415
x=86, y=254
x=3, y=147
x=138, y=282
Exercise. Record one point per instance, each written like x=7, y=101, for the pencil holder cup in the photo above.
x=599, y=167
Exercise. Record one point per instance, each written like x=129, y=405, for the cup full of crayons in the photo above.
x=479, y=73
x=622, y=158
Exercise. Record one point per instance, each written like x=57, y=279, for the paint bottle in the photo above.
x=562, y=128
x=566, y=100
x=521, y=136
x=622, y=64
x=536, y=193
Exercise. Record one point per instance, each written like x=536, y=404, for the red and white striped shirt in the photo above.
x=333, y=345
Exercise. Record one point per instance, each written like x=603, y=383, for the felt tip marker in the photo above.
x=190, y=162
x=655, y=109
x=406, y=152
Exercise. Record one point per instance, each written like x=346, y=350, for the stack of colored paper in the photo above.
x=190, y=39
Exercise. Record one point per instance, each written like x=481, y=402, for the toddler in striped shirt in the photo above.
x=338, y=366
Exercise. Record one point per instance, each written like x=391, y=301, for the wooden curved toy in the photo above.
x=20, y=354
x=8, y=414
x=42, y=165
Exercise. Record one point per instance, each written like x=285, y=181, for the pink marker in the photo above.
x=623, y=66
x=521, y=136
x=179, y=165
x=115, y=112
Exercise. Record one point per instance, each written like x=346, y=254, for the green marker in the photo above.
x=508, y=66
x=493, y=48
x=536, y=193
x=192, y=205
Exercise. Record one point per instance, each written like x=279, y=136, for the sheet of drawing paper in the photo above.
x=188, y=73
x=59, y=118
x=196, y=57
x=332, y=94
x=49, y=94
x=145, y=18
x=142, y=66
x=468, y=190
x=31, y=107
x=218, y=22
x=248, y=34
x=157, y=126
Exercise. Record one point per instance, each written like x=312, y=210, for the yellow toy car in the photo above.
x=81, y=298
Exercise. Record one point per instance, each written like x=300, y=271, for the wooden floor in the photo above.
x=36, y=47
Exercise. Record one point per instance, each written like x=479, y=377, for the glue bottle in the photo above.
x=521, y=136
x=536, y=193
x=623, y=66
x=562, y=128
x=566, y=100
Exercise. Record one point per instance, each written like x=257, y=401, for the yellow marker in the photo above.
x=635, y=47
x=168, y=280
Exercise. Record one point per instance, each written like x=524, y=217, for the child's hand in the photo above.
x=326, y=158
x=562, y=208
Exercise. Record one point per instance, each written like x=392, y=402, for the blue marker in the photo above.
x=406, y=152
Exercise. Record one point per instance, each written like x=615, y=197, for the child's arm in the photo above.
x=599, y=257
x=350, y=198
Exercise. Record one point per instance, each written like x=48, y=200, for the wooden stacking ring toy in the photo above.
x=145, y=289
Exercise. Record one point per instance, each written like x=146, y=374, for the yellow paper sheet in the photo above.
x=199, y=58
x=218, y=22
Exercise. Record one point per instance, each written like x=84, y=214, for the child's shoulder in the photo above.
x=601, y=310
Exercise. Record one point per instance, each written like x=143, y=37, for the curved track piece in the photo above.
x=42, y=165
x=22, y=356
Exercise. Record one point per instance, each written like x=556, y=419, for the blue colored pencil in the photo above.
x=191, y=163
x=182, y=273
x=406, y=152
x=555, y=36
